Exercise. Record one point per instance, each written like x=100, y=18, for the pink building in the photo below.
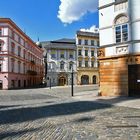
x=21, y=60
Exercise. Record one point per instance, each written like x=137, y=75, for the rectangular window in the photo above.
x=79, y=52
x=92, y=63
x=0, y=46
x=86, y=52
x=62, y=55
x=86, y=42
x=0, y=67
x=80, y=63
x=19, y=39
x=118, y=34
x=62, y=66
x=86, y=63
x=79, y=41
x=0, y=32
x=18, y=67
x=92, y=43
x=124, y=32
x=24, y=54
x=19, y=51
x=121, y=33
x=13, y=35
x=71, y=56
x=70, y=66
x=12, y=65
x=92, y=53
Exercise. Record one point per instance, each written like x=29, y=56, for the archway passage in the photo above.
x=84, y=79
x=62, y=81
x=94, y=79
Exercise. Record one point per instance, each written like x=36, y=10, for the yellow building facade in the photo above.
x=87, y=62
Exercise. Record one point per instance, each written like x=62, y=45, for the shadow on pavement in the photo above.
x=114, y=100
x=17, y=133
x=33, y=113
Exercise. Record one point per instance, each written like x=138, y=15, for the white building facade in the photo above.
x=119, y=22
x=61, y=61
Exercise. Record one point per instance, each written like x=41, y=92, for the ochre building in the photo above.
x=87, y=63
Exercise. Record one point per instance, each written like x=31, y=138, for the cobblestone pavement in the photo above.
x=44, y=114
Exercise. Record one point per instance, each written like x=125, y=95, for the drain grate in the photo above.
x=122, y=126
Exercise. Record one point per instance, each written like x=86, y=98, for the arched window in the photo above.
x=121, y=28
x=94, y=79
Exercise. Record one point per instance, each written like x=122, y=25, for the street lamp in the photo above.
x=72, y=81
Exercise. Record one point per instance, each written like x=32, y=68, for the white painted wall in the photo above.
x=105, y=2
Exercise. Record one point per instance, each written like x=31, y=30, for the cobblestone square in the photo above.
x=52, y=114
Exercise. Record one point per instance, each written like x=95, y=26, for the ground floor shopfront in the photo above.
x=120, y=75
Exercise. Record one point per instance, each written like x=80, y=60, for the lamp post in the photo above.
x=72, y=81
x=46, y=69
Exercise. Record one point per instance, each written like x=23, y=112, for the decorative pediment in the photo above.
x=121, y=19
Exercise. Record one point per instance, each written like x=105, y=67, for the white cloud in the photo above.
x=73, y=10
x=93, y=29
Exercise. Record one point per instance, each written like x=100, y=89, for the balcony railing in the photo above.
x=31, y=72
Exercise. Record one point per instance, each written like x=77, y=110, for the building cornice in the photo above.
x=122, y=43
x=113, y=3
x=119, y=56
x=10, y=22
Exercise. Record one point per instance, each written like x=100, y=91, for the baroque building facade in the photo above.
x=87, y=62
x=21, y=60
x=60, y=57
x=119, y=53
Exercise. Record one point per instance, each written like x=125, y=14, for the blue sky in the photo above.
x=51, y=19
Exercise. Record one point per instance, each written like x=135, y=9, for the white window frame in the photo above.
x=121, y=25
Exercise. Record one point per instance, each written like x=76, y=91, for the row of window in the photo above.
x=86, y=42
x=25, y=56
x=86, y=64
x=24, y=66
x=62, y=56
x=86, y=53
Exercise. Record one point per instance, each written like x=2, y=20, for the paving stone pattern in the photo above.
x=49, y=116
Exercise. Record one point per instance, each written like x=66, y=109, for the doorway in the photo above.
x=62, y=81
x=134, y=80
